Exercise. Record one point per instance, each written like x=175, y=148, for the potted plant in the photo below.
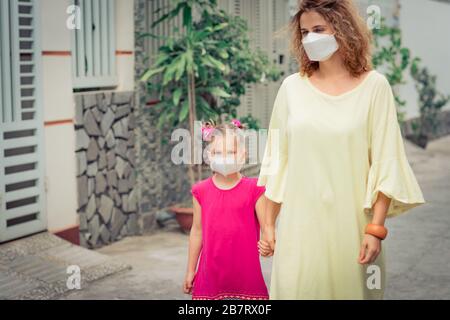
x=430, y=104
x=203, y=69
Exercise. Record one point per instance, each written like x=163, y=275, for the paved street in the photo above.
x=417, y=249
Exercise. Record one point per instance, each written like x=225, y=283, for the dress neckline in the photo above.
x=225, y=190
x=342, y=95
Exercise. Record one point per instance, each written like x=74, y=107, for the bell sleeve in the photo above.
x=273, y=171
x=390, y=172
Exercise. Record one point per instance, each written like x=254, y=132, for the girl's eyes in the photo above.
x=228, y=153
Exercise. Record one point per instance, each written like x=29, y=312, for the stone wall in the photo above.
x=106, y=157
x=442, y=126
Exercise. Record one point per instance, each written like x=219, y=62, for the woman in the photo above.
x=334, y=165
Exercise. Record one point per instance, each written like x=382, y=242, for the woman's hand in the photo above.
x=269, y=238
x=188, y=280
x=370, y=249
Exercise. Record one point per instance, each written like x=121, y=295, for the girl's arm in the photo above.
x=260, y=209
x=195, y=246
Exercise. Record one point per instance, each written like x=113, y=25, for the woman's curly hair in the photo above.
x=351, y=32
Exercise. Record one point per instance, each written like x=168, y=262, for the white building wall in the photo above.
x=125, y=44
x=58, y=107
x=425, y=25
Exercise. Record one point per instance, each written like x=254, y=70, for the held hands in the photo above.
x=266, y=245
x=264, y=248
x=187, y=285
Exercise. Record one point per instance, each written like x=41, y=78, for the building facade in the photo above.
x=80, y=155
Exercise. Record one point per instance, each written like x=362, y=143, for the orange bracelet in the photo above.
x=376, y=230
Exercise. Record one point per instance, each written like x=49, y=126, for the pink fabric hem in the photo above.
x=230, y=295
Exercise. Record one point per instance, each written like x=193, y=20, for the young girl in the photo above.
x=226, y=231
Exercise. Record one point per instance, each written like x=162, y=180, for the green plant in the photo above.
x=204, y=67
x=392, y=57
x=430, y=100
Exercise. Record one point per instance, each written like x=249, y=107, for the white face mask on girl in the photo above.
x=319, y=46
x=226, y=165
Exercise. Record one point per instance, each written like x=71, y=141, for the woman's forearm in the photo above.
x=380, y=209
x=272, y=211
x=195, y=246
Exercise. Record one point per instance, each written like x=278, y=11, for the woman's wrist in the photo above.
x=376, y=230
x=378, y=220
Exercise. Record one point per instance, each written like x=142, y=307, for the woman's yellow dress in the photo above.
x=325, y=160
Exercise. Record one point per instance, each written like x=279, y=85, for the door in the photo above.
x=22, y=198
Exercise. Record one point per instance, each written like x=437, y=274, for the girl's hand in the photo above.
x=264, y=248
x=187, y=285
x=269, y=238
x=370, y=249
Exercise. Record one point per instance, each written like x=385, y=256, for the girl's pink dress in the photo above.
x=229, y=265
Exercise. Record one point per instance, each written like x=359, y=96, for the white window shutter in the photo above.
x=93, y=45
x=22, y=200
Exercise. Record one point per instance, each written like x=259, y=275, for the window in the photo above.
x=17, y=61
x=93, y=45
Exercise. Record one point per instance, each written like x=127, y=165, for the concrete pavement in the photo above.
x=417, y=249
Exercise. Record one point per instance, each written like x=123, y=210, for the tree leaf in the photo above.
x=184, y=111
x=220, y=26
x=223, y=54
x=176, y=96
x=161, y=120
x=205, y=107
x=150, y=73
x=187, y=17
x=219, y=92
x=181, y=67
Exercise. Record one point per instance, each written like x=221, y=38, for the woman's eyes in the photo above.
x=318, y=30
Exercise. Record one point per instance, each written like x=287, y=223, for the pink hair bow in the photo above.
x=207, y=131
x=236, y=123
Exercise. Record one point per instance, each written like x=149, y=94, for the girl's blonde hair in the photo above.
x=210, y=129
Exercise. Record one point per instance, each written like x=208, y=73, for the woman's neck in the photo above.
x=332, y=68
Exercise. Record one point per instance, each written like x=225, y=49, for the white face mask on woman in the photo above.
x=225, y=165
x=319, y=46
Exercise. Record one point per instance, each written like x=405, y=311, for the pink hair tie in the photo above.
x=236, y=123
x=207, y=131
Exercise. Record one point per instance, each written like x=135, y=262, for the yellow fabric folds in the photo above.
x=274, y=165
x=326, y=159
x=389, y=171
